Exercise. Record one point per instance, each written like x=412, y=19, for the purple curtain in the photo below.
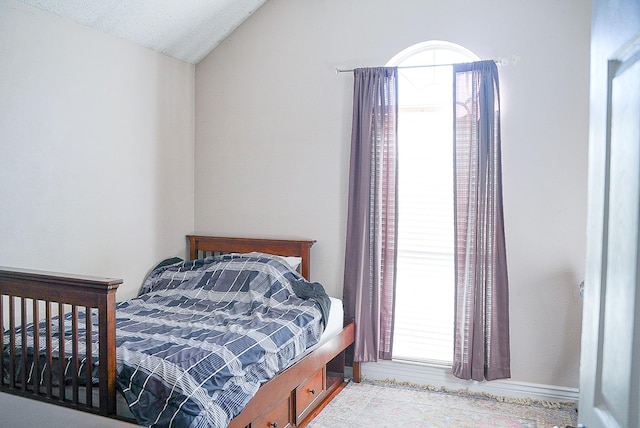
x=481, y=331
x=369, y=274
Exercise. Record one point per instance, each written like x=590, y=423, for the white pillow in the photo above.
x=293, y=261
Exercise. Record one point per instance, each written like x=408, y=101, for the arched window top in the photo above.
x=428, y=87
x=432, y=52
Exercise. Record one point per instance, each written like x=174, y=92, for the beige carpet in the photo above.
x=372, y=404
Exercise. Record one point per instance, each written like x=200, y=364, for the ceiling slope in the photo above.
x=184, y=29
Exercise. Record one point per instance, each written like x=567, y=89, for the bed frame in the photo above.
x=292, y=398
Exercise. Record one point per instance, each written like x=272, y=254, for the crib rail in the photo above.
x=30, y=300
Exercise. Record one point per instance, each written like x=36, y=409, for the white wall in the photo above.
x=273, y=123
x=96, y=136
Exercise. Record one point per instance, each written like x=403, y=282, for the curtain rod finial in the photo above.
x=514, y=60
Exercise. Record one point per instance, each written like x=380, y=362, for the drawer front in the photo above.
x=308, y=393
x=278, y=417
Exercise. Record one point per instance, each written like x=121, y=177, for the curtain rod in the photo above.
x=499, y=61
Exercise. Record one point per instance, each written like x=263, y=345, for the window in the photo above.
x=425, y=267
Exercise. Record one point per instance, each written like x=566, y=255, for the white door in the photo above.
x=610, y=360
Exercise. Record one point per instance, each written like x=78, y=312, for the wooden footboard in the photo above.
x=28, y=296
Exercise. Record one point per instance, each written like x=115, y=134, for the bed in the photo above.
x=298, y=385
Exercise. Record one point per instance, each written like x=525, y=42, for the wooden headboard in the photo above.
x=202, y=246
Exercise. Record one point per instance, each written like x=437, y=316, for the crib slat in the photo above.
x=49, y=351
x=36, y=346
x=89, y=357
x=74, y=353
x=24, y=344
x=12, y=342
x=61, y=350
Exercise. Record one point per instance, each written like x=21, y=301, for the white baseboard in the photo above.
x=422, y=374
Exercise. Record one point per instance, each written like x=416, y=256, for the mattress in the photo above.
x=334, y=325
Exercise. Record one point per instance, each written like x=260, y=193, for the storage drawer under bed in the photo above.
x=309, y=394
x=281, y=416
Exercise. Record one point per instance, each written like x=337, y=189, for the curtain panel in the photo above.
x=370, y=253
x=481, y=330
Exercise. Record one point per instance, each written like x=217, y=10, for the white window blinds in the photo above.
x=425, y=278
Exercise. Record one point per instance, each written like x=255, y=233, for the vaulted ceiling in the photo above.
x=184, y=29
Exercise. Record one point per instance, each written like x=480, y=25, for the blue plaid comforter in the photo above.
x=202, y=336
x=197, y=343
